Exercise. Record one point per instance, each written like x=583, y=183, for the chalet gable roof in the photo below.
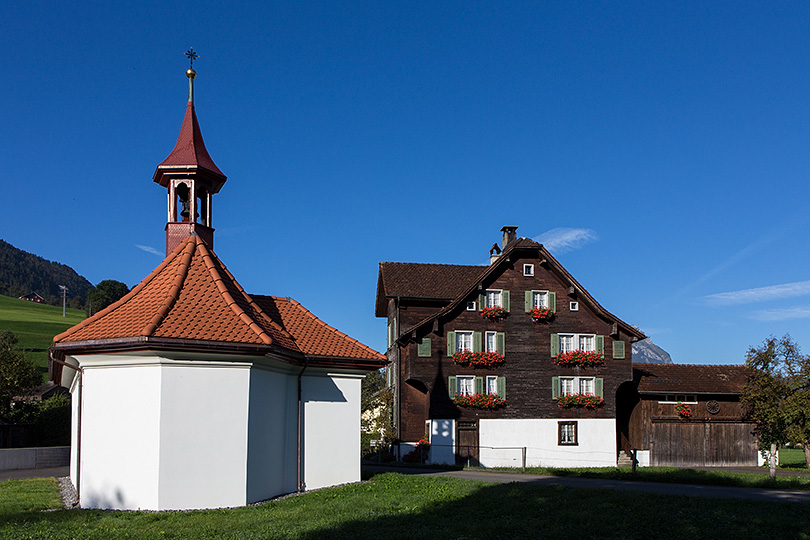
x=468, y=282
x=421, y=280
x=689, y=378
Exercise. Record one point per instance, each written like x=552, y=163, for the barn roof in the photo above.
x=689, y=378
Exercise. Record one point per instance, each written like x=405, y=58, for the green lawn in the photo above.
x=35, y=325
x=792, y=458
x=416, y=507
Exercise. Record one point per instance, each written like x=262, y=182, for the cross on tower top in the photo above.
x=191, y=56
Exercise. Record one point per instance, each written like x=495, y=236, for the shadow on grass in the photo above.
x=411, y=507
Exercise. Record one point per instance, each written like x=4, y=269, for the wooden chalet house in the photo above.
x=504, y=363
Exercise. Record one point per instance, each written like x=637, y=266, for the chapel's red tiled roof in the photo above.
x=190, y=296
x=689, y=378
x=189, y=152
x=313, y=336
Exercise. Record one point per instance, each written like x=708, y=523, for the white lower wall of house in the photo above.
x=443, y=441
x=203, y=435
x=272, y=450
x=596, y=443
x=120, y=438
x=331, y=429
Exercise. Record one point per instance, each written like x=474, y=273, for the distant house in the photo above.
x=191, y=393
x=492, y=361
x=710, y=431
x=32, y=297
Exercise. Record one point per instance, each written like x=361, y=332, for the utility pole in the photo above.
x=64, y=295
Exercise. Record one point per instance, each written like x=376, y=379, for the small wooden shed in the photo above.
x=710, y=429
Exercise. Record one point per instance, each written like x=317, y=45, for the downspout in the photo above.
x=300, y=480
x=80, y=371
x=398, y=365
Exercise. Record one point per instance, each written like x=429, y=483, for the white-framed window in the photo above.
x=573, y=306
x=491, y=342
x=492, y=384
x=577, y=385
x=586, y=385
x=573, y=342
x=494, y=298
x=540, y=299
x=464, y=340
x=528, y=269
x=679, y=398
x=567, y=433
x=471, y=305
x=466, y=385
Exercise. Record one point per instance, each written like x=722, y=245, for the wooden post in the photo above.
x=523, y=452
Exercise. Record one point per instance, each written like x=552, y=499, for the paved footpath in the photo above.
x=56, y=472
x=772, y=495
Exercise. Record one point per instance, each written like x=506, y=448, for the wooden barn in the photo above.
x=684, y=415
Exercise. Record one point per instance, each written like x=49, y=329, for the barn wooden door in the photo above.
x=467, y=444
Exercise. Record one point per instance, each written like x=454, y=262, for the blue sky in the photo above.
x=659, y=150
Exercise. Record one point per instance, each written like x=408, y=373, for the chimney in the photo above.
x=494, y=253
x=509, y=236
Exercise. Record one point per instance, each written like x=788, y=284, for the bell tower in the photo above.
x=191, y=178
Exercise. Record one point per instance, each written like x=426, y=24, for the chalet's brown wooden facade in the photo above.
x=428, y=305
x=715, y=434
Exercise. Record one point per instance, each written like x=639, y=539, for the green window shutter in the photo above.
x=505, y=296
x=555, y=387
x=452, y=386
x=479, y=385
x=451, y=343
x=500, y=343
x=555, y=345
x=482, y=301
x=500, y=385
x=618, y=349
x=476, y=341
x=529, y=300
x=600, y=345
x=423, y=349
x=552, y=301
x=599, y=387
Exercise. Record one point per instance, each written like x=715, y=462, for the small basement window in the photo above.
x=567, y=433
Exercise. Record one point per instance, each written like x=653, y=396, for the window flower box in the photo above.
x=493, y=313
x=683, y=410
x=478, y=359
x=479, y=401
x=589, y=401
x=541, y=314
x=580, y=359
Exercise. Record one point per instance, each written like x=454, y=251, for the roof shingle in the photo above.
x=689, y=378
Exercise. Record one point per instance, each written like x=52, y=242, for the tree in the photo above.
x=777, y=395
x=105, y=293
x=17, y=373
x=376, y=403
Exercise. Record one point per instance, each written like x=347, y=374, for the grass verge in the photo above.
x=415, y=507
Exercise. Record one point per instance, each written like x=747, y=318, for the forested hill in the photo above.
x=22, y=273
